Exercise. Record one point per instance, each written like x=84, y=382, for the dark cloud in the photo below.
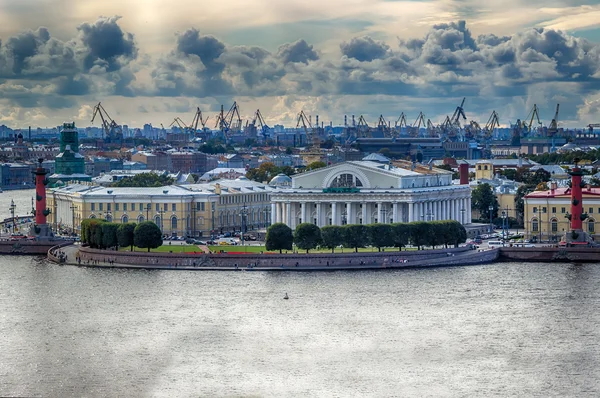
x=299, y=51
x=105, y=44
x=364, y=49
x=95, y=60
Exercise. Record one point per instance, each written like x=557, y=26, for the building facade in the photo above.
x=366, y=192
x=198, y=210
x=69, y=163
x=176, y=210
x=545, y=213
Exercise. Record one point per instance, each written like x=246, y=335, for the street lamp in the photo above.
x=12, y=214
x=73, y=207
x=491, y=209
x=212, y=231
x=243, y=213
x=503, y=225
x=161, y=211
x=147, y=211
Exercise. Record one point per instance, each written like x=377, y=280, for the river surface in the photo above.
x=506, y=329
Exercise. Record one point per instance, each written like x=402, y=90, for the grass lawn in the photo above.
x=258, y=249
x=167, y=249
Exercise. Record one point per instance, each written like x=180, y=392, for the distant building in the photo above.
x=16, y=175
x=69, y=163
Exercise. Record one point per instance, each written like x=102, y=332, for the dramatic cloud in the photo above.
x=430, y=72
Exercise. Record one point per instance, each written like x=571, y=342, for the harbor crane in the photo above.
x=533, y=114
x=383, y=126
x=401, y=121
x=553, y=127
x=182, y=126
x=362, y=128
x=431, y=130
x=111, y=131
x=227, y=122
x=264, y=129
x=312, y=141
x=591, y=127
x=458, y=112
x=492, y=123
x=414, y=131
x=198, y=119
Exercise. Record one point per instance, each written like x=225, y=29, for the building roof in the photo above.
x=91, y=191
x=377, y=157
x=565, y=191
x=281, y=180
x=502, y=162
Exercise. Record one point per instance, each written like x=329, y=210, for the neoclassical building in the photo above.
x=366, y=192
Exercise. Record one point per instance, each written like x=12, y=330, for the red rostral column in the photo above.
x=576, y=205
x=40, y=194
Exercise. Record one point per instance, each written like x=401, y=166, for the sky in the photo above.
x=149, y=61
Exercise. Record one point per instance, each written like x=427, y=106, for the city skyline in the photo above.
x=149, y=62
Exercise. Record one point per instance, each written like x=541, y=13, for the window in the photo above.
x=116, y=207
x=173, y=223
x=93, y=206
x=173, y=207
x=165, y=207
x=563, y=210
x=124, y=206
x=554, y=210
x=141, y=207
x=479, y=167
x=485, y=167
x=125, y=219
x=591, y=210
x=554, y=225
x=198, y=206
x=543, y=210
x=108, y=207
x=591, y=223
x=534, y=210
x=534, y=225
x=100, y=206
x=140, y=218
x=202, y=206
x=157, y=206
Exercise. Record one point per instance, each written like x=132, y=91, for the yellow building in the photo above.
x=189, y=210
x=484, y=170
x=176, y=210
x=545, y=213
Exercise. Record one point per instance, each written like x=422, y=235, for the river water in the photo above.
x=506, y=329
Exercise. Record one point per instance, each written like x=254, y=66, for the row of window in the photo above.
x=535, y=226
x=563, y=210
x=200, y=206
x=232, y=199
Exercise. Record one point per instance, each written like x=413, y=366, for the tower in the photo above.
x=70, y=164
x=576, y=236
x=41, y=229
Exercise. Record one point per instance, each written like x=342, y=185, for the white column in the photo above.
x=380, y=219
x=349, y=213
x=469, y=210
x=273, y=213
x=395, y=212
x=456, y=210
x=334, y=213
x=364, y=213
x=290, y=216
x=411, y=212
x=302, y=212
x=319, y=214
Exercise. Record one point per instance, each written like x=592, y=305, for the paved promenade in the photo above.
x=460, y=259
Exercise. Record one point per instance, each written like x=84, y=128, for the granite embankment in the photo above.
x=278, y=262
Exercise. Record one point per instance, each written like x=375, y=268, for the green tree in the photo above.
x=125, y=234
x=307, y=236
x=279, y=237
x=400, y=235
x=418, y=233
x=482, y=198
x=333, y=236
x=144, y=180
x=522, y=191
x=380, y=235
x=109, y=235
x=147, y=235
x=262, y=173
x=355, y=236
x=315, y=165
x=510, y=174
x=97, y=241
x=288, y=150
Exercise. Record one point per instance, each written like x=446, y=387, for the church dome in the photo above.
x=281, y=180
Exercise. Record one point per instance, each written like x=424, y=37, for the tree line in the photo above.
x=100, y=234
x=308, y=236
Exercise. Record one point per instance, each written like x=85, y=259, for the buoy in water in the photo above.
x=285, y=297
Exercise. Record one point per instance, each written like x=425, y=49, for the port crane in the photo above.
x=182, y=126
x=553, y=127
x=226, y=122
x=492, y=123
x=431, y=130
x=414, y=131
x=362, y=128
x=535, y=114
x=401, y=121
x=591, y=127
x=312, y=141
x=198, y=119
x=112, y=132
x=264, y=129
